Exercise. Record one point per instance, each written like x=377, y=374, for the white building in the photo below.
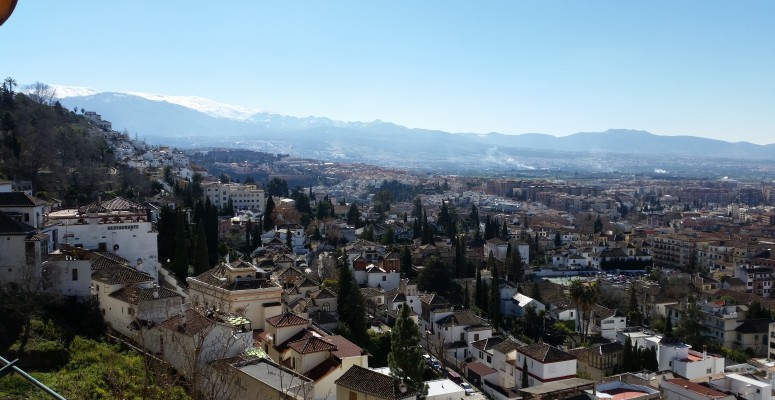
x=22, y=207
x=543, y=363
x=21, y=253
x=242, y=196
x=67, y=274
x=117, y=226
x=747, y=388
x=129, y=297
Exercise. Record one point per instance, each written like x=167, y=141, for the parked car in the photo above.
x=468, y=389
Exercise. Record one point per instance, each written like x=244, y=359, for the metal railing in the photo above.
x=8, y=367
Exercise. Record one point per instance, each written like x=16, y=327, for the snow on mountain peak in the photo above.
x=207, y=106
x=63, y=91
x=201, y=104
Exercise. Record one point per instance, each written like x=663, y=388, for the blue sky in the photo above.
x=702, y=68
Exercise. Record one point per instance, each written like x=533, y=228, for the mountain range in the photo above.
x=196, y=122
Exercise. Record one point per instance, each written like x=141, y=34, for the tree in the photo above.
x=478, y=289
x=494, y=304
x=585, y=296
x=41, y=93
x=634, y=315
x=406, y=263
x=406, y=356
x=690, y=328
x=598, y=226
x=557, y=239
x=268, y=223
x=201, y=257
x=354, y=216
x=351, y=306
x=524, y=374
x=467, y=297
x=277, y=187
x=435, y=277
x=516, y=266
x=181, y=247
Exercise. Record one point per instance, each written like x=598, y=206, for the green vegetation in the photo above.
x=60, y=152
x=96, y=370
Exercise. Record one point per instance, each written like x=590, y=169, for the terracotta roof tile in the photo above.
x=545, y=353
x=287, y=319
x=312, y=344
x=373, y=383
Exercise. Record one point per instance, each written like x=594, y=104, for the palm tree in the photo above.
x=9, y=84
x=585, y=296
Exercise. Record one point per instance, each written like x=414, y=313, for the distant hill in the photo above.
x=161, y=121
x=65, y=157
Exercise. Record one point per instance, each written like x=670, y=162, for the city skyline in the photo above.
x=694, y=68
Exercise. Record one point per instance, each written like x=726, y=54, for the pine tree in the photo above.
x=405, y=359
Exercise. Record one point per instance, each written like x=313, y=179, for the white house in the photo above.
x=21, y=253
x=377, y=277
x=543, y=363
x=118, y=226
x=68, y=273
x=521, y=302
x=747, y=388
x=23, y=208
x=128, y=297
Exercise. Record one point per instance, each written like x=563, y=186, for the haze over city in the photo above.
x=694, y=68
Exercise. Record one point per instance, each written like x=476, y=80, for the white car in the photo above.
x=468, y=389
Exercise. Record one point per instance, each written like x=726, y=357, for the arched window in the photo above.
x=326, y=307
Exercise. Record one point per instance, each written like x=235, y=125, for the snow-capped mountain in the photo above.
x=195, y=122
x=201, y=104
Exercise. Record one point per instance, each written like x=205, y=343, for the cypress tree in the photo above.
x=495, y=298
x=211, y=231
x=479, y=289
x=524, y=374
x=201, y=257
x=181, y=247
x=466, y=297
x=268, y=223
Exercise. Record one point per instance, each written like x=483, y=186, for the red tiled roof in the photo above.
x=287, y=319
x=373, y=383
x=312, y=344
x=344, y=347
x=480, y=369
x=696, y=387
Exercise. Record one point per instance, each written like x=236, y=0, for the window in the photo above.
x=26, y=217
x=489, y=358
x=75, y=274
x=384, y=278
